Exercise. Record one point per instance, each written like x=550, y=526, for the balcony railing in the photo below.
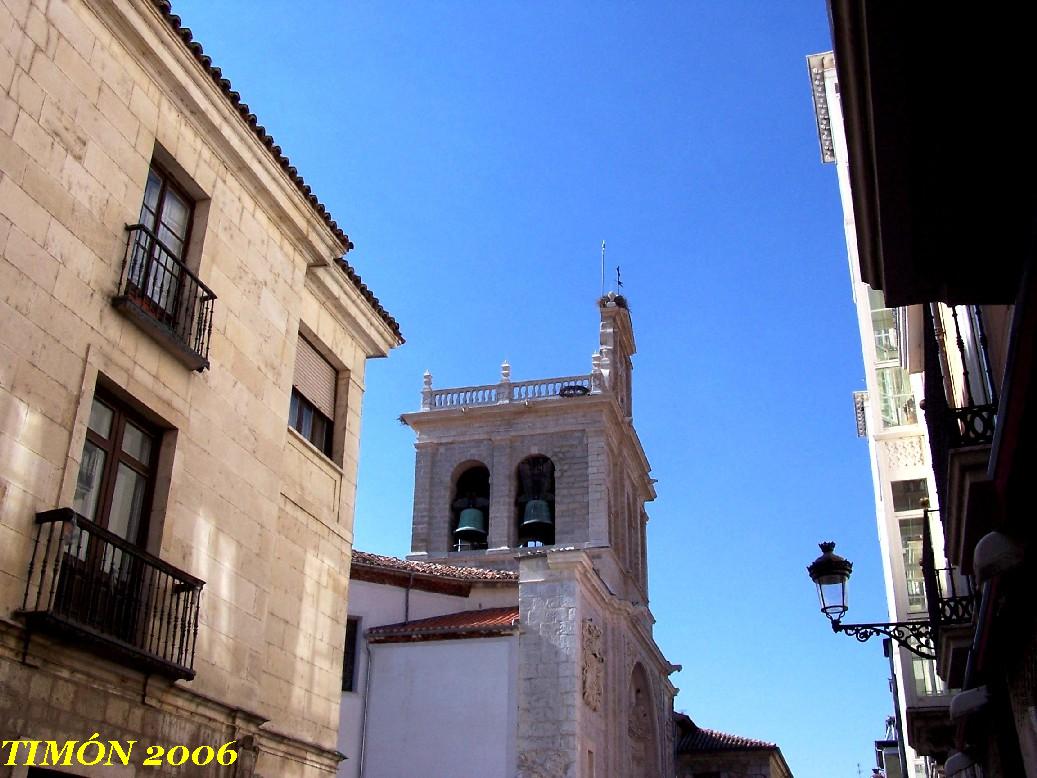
x=163, y=296
x=959, y=356
x=949, y=595
x=90, y=584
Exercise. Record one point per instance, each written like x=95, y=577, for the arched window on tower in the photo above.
x=470, y=508
x=535, y=502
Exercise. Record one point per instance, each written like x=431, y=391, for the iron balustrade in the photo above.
x=952, y=422
x=165, y=297
x=91, y=584
x=949, y=596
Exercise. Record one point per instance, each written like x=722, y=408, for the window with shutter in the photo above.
x=312, y=410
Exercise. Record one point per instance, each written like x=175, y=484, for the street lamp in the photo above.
x=830, y=573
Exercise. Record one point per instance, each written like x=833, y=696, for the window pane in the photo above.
x=88, y=483
x=293, y=411
x=149, y=208
x=127, y=502
x=911, y=543
x=319, y=436
x=926, y=680
x=100, y=419
x=908, y=495
x=884, y=325
x=896, y=401
x=136, y=443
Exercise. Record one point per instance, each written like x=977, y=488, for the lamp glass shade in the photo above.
x=830, y=573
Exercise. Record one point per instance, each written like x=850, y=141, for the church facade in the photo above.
x=516, y=639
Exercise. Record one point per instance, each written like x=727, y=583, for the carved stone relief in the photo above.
x=593, y=664
x=547, y=763
x=904, y=452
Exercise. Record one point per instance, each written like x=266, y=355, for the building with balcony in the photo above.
x=888, y=414
x=516, y=638
x=943, y=227
x=182, y=355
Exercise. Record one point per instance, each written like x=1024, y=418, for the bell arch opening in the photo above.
x=535, y=502
x=470, y=508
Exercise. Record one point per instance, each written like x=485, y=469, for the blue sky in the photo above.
x=478, y=153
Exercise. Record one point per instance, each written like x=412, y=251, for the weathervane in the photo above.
x=619, y=281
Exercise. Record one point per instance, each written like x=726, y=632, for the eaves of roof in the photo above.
x=184, y=33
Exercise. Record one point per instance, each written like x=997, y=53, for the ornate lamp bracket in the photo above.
x=915, y=636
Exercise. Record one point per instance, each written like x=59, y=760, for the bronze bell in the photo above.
x=471, y=526
x=536, y=516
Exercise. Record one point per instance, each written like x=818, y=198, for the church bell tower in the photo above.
x=545, y=463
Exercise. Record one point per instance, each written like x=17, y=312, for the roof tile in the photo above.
x=166, y=9
x=487, y=620
x=431, y=569
x=699, y=739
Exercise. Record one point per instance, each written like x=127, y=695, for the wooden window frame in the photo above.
x=170, y=182
x=114, y=456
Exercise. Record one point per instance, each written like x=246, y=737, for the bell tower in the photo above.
x=546, y=463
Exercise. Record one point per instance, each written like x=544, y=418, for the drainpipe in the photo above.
x=367, y=696
x=406, y=601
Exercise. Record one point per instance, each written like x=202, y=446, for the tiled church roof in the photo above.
x=184, y=33
x=700, y=739
x=481, y=623
x=430, y=569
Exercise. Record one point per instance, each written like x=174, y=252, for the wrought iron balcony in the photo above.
x=87, y=583
x=167, y=300
x=960, y=394
x=952, y=606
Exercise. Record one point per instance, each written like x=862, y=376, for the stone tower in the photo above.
x=481, y=437
x=548, y=477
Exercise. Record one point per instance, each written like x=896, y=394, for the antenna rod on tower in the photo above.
x=603, y=268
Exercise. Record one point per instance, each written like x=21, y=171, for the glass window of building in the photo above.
x=909, y=495
x=884, y=328
x=896, y=400
x=911, y=543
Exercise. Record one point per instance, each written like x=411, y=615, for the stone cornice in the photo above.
x=817, y=64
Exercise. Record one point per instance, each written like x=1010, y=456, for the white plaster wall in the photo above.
x=442, y=709
x=378, y=604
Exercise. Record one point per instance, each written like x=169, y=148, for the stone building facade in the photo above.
x=950, y=244
x=182, y=353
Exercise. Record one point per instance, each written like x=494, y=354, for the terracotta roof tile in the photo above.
x=166, y=9
x=699, y=739
x=490, y=620
x=431, y=569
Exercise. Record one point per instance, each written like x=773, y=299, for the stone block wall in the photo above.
x=500, y=438
x=582, y=656
x=90, y=95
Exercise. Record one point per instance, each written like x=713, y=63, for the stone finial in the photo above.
x=426, y=391
x=504, y=387
x=596, y=377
